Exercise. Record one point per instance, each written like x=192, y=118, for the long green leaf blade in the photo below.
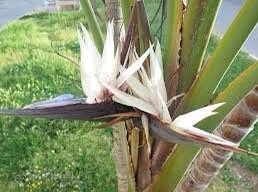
x=94, y=27
x=198, y=22
x=172, y=44
x=202, y=91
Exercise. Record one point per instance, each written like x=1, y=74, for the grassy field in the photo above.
x=52, y=155
x=59, y=155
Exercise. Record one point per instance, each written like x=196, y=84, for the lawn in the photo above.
x=59, y=155
x=54, y=155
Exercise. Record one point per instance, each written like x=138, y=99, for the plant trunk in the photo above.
x=124, y=170
x=114, y=12
x=124, y=167
x=235, y=127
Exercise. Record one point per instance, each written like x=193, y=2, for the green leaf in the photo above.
x=126, y=10
x=202, y=91
x=198, y=21
x=236, y=90
x=172, y=43
x=93, y=24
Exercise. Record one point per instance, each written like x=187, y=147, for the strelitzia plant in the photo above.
x=136, y=84
x=187, y=69
x=102, y=81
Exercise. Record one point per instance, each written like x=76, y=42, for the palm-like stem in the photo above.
x=125, y=174
x=235, y=127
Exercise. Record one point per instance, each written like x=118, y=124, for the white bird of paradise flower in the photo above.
x=103, y=76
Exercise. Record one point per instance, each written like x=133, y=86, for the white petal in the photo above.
x=157, y=78
x=117, y=65
x=145, y=79
x=196, y=116
x=133, y=68
x=159, y=55
x=138, y=88
x=130, y=100
x=90, y=85
x=165, y=116
x=109, y=66
x=89, y=56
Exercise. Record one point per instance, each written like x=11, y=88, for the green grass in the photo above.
x=47, y=155
x=59, y=155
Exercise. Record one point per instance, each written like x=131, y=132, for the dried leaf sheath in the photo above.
x=124, y=167
x=235, y=128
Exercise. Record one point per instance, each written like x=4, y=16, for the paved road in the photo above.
x=13, y=9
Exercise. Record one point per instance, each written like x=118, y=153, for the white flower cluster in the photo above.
x=103, y=78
